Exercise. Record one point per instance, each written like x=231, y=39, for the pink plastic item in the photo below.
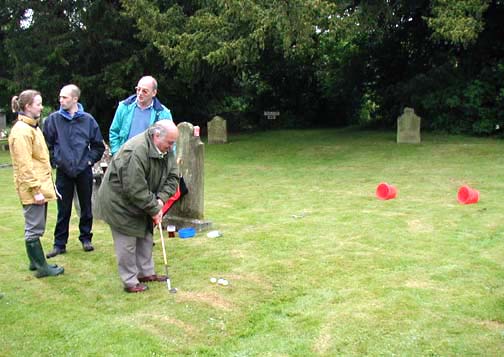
x=467, y=195
x=384, y=191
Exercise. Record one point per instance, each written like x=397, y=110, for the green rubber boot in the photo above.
x=36, y=254
x=32, y=266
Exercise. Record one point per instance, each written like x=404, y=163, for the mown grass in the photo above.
x=317, y=265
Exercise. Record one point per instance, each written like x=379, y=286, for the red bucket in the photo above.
x=384, y=191
x=467, y=195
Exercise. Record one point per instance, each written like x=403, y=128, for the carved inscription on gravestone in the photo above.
x=408, y=127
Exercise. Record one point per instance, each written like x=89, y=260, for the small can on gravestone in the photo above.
x=196, y=131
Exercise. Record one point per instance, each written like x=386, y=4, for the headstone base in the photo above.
x=181, y=222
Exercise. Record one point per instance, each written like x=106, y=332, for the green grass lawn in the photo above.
x=317, y=265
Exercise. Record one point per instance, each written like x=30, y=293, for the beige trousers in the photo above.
x=134, y=257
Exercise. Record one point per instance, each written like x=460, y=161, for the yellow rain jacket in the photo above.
x=30, y=161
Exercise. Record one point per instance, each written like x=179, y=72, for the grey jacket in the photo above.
x=137, y=176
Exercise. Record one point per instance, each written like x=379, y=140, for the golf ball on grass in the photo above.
x=222, y=281
x=213, y=280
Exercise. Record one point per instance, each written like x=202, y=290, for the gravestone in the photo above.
x=189, y=210
x=408, y=127
x=4, y=145
x=3, y=120
x=217, y=131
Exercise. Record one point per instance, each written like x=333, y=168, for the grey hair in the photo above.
x=153, y=81
x=157, y=129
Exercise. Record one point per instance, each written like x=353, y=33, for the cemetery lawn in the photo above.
x=317, y=265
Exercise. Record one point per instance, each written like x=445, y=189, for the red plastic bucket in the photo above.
x=384, y=191
x=467, y=195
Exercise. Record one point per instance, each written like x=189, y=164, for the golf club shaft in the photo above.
x=168, y=282
x=163, y=246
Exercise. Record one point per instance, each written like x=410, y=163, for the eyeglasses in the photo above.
x=142, y=90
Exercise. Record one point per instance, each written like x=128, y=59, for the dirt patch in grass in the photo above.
x=490, y=324
x=417, y=226
x=323, y=341
x=251, y=278
x=422, y=284
x=159, y=325
x=161, y=319
x=211, y=298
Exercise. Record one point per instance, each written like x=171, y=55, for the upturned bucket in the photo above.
x=467, y=195
x=384, y=191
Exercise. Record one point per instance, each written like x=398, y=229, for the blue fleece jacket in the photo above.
x=121, y=124
x=74, y=142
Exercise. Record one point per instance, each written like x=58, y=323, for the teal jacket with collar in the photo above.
x=121, y=124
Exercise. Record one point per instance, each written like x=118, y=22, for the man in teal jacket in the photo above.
x=141, y=177
x=136, y=113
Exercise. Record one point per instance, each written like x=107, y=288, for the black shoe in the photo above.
x=87, y=246
x=56, y=250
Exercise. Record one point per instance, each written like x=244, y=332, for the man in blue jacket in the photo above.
x=136, y=113
x=75, y=144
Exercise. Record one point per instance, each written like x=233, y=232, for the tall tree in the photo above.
x=88, y=42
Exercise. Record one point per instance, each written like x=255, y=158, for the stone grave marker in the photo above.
x=217, y=131
x=3, y=120
x=189, y=210
x=408, y=127
x=4, y=145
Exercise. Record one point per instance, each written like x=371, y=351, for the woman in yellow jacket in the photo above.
x=32, y=176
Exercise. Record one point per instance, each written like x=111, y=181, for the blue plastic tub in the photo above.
x=188, y=232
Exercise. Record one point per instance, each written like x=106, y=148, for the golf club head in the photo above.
x=173, y=290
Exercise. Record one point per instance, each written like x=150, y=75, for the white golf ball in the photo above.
x=213, y=280
x=224, y=282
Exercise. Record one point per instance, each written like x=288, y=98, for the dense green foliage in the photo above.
x=318, y=62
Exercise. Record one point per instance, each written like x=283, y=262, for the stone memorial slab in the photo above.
x=408, y=127
x=3, y=120
x=4, y=145
x=217, y=131
x=189, y=210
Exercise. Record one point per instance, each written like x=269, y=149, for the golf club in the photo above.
x=168, y=282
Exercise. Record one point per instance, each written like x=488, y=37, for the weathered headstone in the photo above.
x=4, y=145
x=3, y=120
x=189, y=210
x=217, y=131
x=408, y=127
